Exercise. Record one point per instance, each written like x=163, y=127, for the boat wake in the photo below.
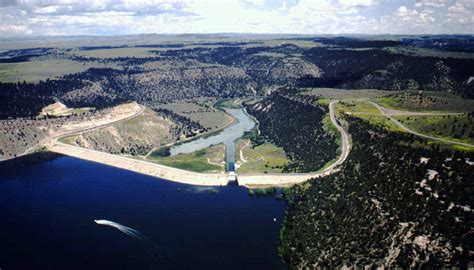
x=154, y=255
x=126, y=230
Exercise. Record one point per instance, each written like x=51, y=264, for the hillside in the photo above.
x=24, y=135
x=296, y=125
x=396, y=203
x=135, y=136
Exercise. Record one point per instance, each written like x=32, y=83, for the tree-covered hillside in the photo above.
x=393, y=204
x=295, y=123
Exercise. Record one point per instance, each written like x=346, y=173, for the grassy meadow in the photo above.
x=207, y=160
x=452, y=127
x=264, y=158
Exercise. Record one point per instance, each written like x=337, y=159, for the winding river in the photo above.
x=227, y=136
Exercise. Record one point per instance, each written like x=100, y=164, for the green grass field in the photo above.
x=427, y=101
x=424, y=52
x=49, y=68
x=33, y=71
x=366, y=111
x=209, y=160
x=260, y=159
x=457, y=128
x=115, y=52
x=324, y=101
x=344, y=94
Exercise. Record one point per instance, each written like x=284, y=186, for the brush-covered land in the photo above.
x=454, y=127
x=295, y=123
x=134, y=136
x=393, y=204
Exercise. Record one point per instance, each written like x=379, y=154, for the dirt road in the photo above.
x=386, y=112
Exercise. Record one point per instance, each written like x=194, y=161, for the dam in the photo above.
x=226, y=136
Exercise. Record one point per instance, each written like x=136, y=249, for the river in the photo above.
x=67, y=213
x=227, y=136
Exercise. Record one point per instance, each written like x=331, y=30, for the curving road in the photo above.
x=288, y=179
x=382, y=110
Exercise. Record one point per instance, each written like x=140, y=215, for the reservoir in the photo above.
x=65, y=213
x=227, y=136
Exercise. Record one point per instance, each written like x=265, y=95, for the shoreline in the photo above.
x=202, y=135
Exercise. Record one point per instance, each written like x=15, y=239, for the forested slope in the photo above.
x=391, y=205
x=291, y=122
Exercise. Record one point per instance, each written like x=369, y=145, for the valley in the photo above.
x=364, y=144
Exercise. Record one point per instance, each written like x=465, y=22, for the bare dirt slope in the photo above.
x=25, y=135
x=133, y=136
x=55, y=109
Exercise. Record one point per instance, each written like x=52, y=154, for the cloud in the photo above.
x=357, y=2
x=458, y=13
x=255, y=2
x=16, y=29
x=98, y=17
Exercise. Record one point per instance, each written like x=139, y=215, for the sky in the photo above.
x=123, y=17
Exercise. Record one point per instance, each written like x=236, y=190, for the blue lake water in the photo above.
x=48, y=211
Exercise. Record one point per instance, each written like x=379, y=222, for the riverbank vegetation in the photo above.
x=228, y=103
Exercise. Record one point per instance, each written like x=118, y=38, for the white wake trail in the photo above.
x=127, y=230
x=153, y=256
